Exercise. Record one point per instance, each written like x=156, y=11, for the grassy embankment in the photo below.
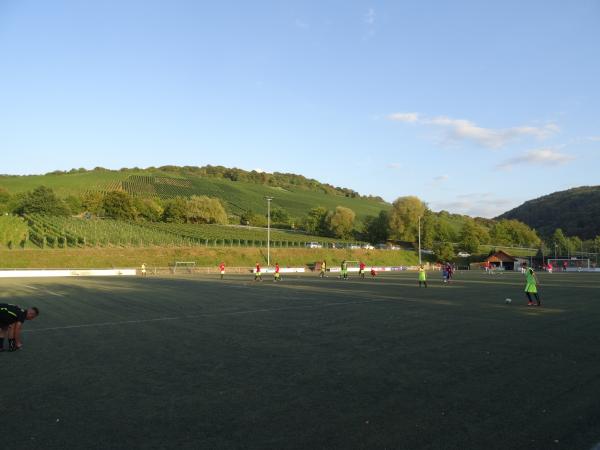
x=203, y=257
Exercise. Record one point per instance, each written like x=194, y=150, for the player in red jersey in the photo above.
x=222, y=269
x=276, y=275
x=257, y=274
x=361, y=269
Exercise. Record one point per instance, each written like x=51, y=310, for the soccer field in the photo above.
x=199, y=363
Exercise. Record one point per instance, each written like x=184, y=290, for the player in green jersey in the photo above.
x=531, y=283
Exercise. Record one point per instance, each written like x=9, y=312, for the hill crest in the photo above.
x=576, y=211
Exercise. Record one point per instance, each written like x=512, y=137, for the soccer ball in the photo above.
x=508, y=301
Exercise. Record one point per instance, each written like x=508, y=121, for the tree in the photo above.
x=74, y=204
x=42, y=200
x=377, y=228
x=404, y=217
x=175, y=210
x=251, y=218
x=500, y=234
x=444, y=251
x=92, y=202
x=148, y=209
x=469, y=238
x=202, y=209
x=428, y=234
x=119, y=205
x=279, y=215
x=341, y=222
x=574, y=244
x=443, y=231
x=316, y=221
x=513, y=232
x=559, y=241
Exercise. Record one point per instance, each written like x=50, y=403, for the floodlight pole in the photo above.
x=419, y=240
x=268, y=230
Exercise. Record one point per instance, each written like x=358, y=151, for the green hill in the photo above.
x=239, y=190
x=576, y=211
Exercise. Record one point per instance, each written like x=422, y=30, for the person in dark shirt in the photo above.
x=12, y=318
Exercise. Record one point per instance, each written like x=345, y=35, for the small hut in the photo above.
x=502, y=261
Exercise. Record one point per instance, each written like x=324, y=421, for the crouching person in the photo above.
x=12, y=318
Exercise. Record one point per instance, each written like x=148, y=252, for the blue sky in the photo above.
x=472, y=106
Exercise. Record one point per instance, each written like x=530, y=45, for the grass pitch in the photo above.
x=308, y=363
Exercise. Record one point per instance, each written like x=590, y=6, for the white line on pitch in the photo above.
x=56, y=294
x=197, y=316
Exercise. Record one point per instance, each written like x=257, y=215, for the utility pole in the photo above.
x=419, y=240
x=268, y=230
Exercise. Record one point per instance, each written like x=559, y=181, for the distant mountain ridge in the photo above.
x=576, y=211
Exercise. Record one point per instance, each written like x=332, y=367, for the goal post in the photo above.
x=353, y=266
x=184, y=266
x=570, y=264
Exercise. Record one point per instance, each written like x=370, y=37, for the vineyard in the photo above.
x=163, y=187
x=72, y=232
x=237, y=197
x=217, y=235
x=61, y=232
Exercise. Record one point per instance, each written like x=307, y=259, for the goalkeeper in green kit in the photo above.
x=531, y=283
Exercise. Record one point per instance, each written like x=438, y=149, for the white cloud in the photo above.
x=477, y=205
x=465, y=130
x=395, y=166
x=540, y=156
x=440, y=178
x=370, y=17
x=404, y=117
x=593, y=138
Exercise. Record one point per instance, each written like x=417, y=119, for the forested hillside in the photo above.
x=202, y=205
x=576, y=211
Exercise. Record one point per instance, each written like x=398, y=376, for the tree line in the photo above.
x=117, y=205
x=275, y=179
x=442, y=232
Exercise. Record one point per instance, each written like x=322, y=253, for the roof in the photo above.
x=500, y=256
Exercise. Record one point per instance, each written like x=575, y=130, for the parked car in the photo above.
x=368, y=247
x=314, y=245
x=464, y=254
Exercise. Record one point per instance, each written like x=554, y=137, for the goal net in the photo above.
x=353, y=266
x=569, y=264
x=184, y=266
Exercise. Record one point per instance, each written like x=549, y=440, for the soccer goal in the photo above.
x=184, y=266
x=570, y=264
x=352, y=266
